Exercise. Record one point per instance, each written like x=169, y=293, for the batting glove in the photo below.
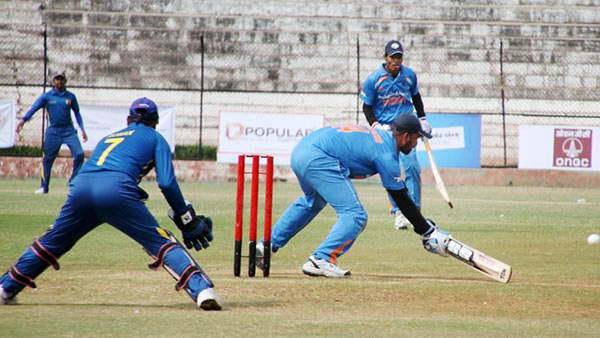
x=435, y=240
x=425, y=125
x=378, y=125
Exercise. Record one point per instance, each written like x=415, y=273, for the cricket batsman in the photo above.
x=325, y=161
x=106, y=191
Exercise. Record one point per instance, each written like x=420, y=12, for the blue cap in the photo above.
x=393, y=47
x=408, y=123
x=59, y=73
x=145, y=109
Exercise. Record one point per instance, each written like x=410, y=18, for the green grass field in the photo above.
x=397, y=289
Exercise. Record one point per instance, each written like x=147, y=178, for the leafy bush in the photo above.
x=192, y=152
x=23, y=151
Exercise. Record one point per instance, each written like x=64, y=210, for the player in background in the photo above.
x=324, y=162
x=106, y=191
x=389, y=92
x=59, y=102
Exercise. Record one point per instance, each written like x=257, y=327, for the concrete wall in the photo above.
x=266, y=49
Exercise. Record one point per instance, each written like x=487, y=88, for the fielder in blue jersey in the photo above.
x=325, y=161
x=389, y=92
x=59, y=103
x=106, y=191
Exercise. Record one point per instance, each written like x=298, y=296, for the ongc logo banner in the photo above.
x=559, y=148
x=573, y=148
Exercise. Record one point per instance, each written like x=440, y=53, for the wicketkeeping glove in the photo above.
x=196, y=230
x=378, y=125
x=425, y=125
x=435, y=240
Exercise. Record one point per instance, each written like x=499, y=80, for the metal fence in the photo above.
x=506, y=84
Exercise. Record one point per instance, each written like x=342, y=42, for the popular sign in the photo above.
x=263, y=134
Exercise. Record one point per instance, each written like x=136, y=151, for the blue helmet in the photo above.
x=144, y=109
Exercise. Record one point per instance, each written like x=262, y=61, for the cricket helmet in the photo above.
x=144, y=109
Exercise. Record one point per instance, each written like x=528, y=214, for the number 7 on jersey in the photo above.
x=114, y=142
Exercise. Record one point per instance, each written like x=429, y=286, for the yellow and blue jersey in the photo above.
x=134, y=151
x=59, y=105
x=390, y=97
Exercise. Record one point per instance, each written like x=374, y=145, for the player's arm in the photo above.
x=37, y=105
x=369, y=114
x=165, y=176
x=78, y=118
x=434, y=239
x=410, y=210
x=196, y=230
x=418, y=103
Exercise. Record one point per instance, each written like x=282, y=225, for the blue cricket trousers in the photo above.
x=55, y=137
x=96, y=198
x=323, y=180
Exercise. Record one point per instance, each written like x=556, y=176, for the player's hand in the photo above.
x=199, y=236
x=196, y=230
x=378, y=125
x=19, y=126
x=84, y=136
x=435, y=240
x=425, y=125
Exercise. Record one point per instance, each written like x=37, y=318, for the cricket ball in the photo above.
x=593, y=239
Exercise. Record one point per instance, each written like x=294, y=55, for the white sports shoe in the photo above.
x=5, y=299
x=320, y=267
x=40, y=191
x=400, y=221
x=209, y=300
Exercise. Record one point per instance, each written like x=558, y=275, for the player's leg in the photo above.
x=71, y=140
x=74, y=221
x=128, y=214
x=304, y=209
x=52, y=144
x=333, y=184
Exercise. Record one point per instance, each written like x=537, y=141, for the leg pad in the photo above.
x=44, y=254
x=20, y=278
x=160, y=258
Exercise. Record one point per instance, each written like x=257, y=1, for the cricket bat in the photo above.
x=479, y=261
x=439, y=184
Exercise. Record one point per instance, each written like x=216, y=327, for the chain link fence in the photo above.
x=202, y=73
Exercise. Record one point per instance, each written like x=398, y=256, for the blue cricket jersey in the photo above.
x=134, y=151
x=59, y=106
x=390, y=97
x=364, y=151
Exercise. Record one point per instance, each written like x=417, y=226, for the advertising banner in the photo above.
x=263, y=134
x=7, y=123
x=100, y=121
x=456, y=141
x=559, y=148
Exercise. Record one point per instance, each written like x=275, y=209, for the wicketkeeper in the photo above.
x=106, y=191
x=325, y=161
